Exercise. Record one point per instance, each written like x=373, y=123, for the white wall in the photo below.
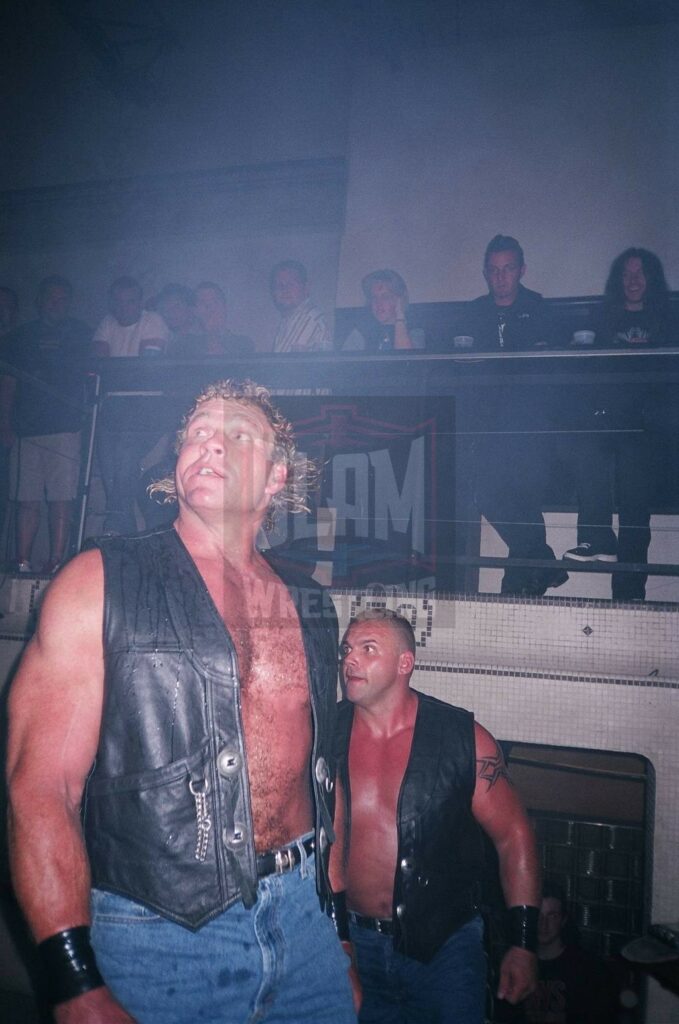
x=568, y=142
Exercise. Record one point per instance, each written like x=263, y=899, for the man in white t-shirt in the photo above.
x=128, y=329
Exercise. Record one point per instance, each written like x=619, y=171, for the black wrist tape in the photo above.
x=522, y=927
x=338, y=913
x=69, y=964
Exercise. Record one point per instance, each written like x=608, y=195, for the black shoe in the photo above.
x=587, y=552
x=535, y=583
x=542, y=580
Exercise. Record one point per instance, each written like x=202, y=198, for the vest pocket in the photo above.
x=143, y=836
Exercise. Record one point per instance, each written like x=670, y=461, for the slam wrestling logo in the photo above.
x=383, y=512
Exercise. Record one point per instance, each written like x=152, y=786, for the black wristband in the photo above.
x=69, y=964
x=338, y=913
x=522, y=927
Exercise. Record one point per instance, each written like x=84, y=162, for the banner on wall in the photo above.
x=383, y=513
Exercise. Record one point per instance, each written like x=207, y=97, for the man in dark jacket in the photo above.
x=420, y=777
x=510, y=446
x=192, y=685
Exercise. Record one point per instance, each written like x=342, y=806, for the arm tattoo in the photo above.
x=492, y=769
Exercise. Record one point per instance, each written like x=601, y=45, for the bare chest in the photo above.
x=275, y=701
x=263, y=624
x=376, y=770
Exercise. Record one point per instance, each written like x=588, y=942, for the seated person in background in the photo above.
x=303, y=327
x=385, y=324
x=41, y=411
x=636, y=306
x=510, y=451
x=128, y=329
x=177, y=305
x=213, y=337
x=617, y=455
x=574, y=987
x=510, y=317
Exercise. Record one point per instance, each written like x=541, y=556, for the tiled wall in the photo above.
x=566, y=672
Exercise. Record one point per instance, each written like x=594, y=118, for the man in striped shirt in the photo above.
x=303, y=326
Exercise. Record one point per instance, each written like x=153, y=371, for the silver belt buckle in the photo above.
x=283, y=861
x=378, y=925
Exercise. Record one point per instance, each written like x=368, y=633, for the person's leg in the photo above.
x=120, y=455
x=163, y=973
x=61, y=473
x=28, y=520
x=382, y=997
x=279, y=962
x=508, y=494
x=634, y=488
x=592, y=469
x=306, y=971
x=28, y=489
x=451, y=988
x=60, y=517
x=511, y=476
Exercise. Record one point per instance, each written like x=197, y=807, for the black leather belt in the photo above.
x=278, y=862
x=383, y=925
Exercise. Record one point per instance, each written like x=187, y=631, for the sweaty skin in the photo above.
x=225, y=479
x=263, y=624
x=377, y=669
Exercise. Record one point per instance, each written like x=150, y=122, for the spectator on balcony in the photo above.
x=612, y=456
x=303, y=326
x=41, y=410
x=177, y=306
x=636, y=307
x=128, y=329
x=385, y=323
x=511, y=317
x=510, y=455
x=213, y=338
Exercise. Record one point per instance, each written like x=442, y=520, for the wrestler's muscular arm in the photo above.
x=498, y=809
x=55, y=714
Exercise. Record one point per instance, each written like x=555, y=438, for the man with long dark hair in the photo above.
x=613, y=465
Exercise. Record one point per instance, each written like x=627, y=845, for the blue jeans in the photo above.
x=279, y=962
x=450, y=989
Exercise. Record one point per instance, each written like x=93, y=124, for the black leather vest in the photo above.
x=439, y=843
x=168, y=819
